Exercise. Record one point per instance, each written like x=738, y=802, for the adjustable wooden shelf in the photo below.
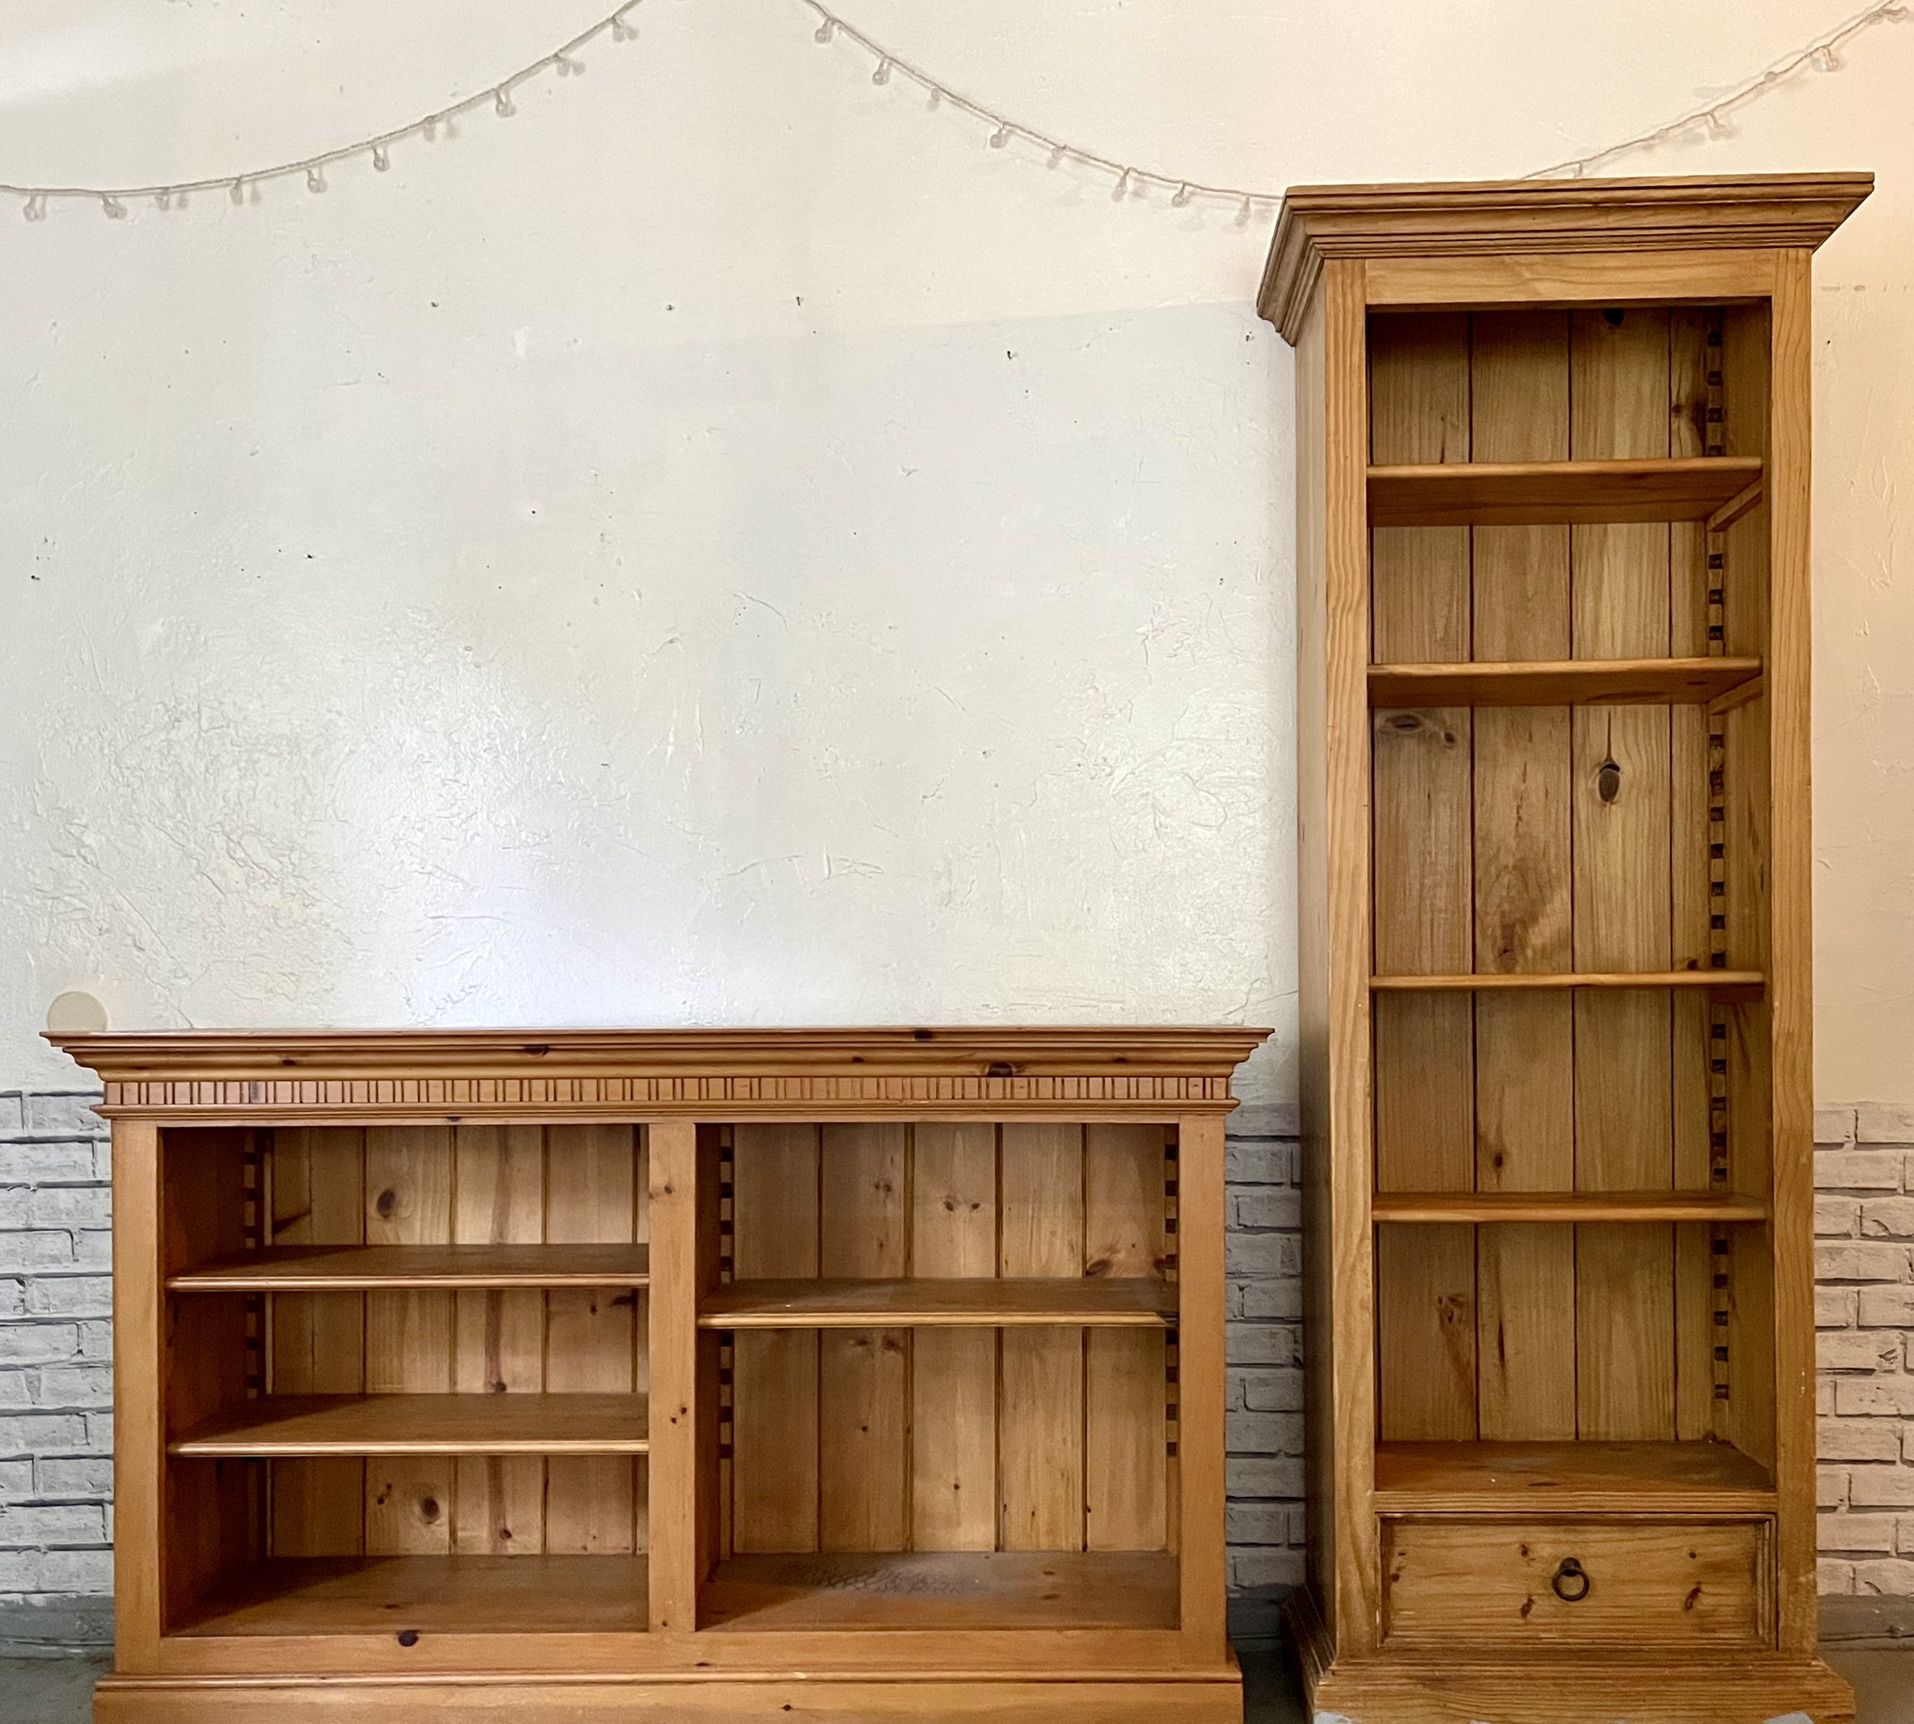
x=1557, y=1106
x=838, y=1374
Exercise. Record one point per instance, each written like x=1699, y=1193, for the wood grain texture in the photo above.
x=1424, y=1100
x=416, y=1423
x=953, y=1461
x=1135, y=1302
x=1580, y=490
x=682, y=1440
x=774, y=1441
x=498, y=1505
x=595, y=1181
x=1040, y=1407
x=1541, y=680
x=1125, y=1465
x=409, y=1338
x=317, y=1179
x=1524, y=1043
x=1790, y=1041
x=863, y=1374
x=1458, y=1583
x=469, y=1266
x=1570, y=1478
x=1622, y=898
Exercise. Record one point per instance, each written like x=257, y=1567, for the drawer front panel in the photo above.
x=1451, y=1582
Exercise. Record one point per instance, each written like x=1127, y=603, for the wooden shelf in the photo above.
x=1738, y=982
x=423, y=1425
x=429, y=1595
x=946, y=1590
x=1538, y=493
x=1482, y=1207
x=350, y=1268
x=1561, y=682
x=1569, y=1478
x=1131, y=1302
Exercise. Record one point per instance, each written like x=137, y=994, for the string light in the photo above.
x=1823, y=55
x=35, y=200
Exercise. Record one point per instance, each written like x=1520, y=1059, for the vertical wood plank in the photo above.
x=1622, y=899
x=678, y=1443
x=1524, y=1045
x=1040, y=1410
x=1333, y=954
x=1424, y=1105
x=774, y=1422
x=318, y=1340
x=139, y=1427
x=499, y=1186
x=1124, y=1381
x=953, y=1187
x=408, y=1337
x=1689, y=364
x=591, y=1198
x=1200, y=1231
x=1790, y=999
x=863, y=1447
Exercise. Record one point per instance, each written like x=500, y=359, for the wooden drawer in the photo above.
x=1449, y=1582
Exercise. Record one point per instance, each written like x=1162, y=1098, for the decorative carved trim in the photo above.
x=706, y=1097
x=1516, y=216
x=718, y=1074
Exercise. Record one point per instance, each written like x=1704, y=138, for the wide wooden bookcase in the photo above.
x=780, y=1375
x=1557, y=1107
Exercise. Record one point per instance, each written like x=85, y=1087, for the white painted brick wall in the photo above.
x=56, y=1435
x=1864, y=1312
x=55, y=1355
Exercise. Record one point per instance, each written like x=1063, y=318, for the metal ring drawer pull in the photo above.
x=1571, y=1582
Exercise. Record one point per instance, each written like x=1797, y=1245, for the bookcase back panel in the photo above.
x=463, y=1185
x=1039, y=1438
x=1552, y=839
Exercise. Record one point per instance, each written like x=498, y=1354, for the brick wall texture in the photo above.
x=1864, y=1312
x=56, y=1437
x=56, y=1515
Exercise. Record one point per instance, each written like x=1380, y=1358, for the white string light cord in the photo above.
x=562, y=60
x=1823, y=54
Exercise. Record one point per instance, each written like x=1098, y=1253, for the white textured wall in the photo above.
x=726, y=547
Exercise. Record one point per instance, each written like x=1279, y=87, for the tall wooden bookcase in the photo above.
x=591, y=1376
x=1553, y=690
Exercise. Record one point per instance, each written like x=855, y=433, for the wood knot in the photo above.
x=386, y=1203
x=1608, y=781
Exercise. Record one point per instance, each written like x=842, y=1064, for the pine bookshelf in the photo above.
x=1553, y=766
x=655, y=1375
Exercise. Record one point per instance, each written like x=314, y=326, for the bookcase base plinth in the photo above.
x=1551, y=1686
x=944, y=1697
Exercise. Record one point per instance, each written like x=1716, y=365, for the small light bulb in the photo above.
x=35, y=208
x=1057, y=153
x=1825, y=59
x=502, y=103
x=381, y=158
x=315, y=178
x=1122, y=187
x=1182, y=196
x=883, y=73
x=1000, y=136
x=112, y=207
x=164, y=200
x=1718, y=126
x=622, y=29
x=825, y=31
x=238, y=193
x=429, y=130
